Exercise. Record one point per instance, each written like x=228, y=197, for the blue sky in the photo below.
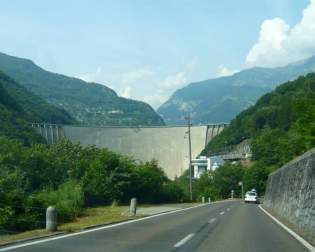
x=146, y=49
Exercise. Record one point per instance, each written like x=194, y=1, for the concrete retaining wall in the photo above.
x=290, y=194
x=168, y=145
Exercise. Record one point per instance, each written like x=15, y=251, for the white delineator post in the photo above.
x=133, y=207
x=209, y=200
x=203, y=199
x=51, y=219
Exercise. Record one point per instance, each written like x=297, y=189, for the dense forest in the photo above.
x=281, y=126
x=72, y=177
x=35, y=109
x=13, y=123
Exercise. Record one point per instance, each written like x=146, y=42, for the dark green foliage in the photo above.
x=13, y=122
x=216, y=184
x=220, y=183
x=88, y=103
x=34, y=108
x=281, y=126
x=256, y=177
x=72, y=177
x=221, y=99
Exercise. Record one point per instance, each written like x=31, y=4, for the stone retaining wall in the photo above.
x=290, y=194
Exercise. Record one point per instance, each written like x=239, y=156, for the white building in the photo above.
x=203, y=164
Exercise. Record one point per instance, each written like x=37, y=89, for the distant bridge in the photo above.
x=167, y=144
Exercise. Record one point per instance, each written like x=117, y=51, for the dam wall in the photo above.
x=168, y=145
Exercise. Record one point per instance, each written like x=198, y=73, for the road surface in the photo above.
x=226, y=226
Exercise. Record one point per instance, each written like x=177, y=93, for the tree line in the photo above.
x=72, y=177
x=281, y=126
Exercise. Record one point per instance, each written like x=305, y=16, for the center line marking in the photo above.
x=183, y=241
x=212, y=220
x=222, y=213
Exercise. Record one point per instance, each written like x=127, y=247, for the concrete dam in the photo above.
x=167, y=144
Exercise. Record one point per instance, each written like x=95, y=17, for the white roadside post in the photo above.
x=51, y=219
x=133, y=207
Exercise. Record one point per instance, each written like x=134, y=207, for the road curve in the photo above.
x=226, y=226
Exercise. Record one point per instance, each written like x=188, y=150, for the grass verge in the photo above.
x=91, y=216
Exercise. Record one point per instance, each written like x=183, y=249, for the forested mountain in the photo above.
x=281, y=125
x=35, y=108
x=221, y=99
x=13, y=118
x=88, y=103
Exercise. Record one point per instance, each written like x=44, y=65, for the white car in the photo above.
x=251, y=197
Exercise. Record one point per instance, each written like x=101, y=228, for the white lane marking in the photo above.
x=105, y=227
x=183, y=241
x=222, y=213
x=212, y=220
x=290, y=231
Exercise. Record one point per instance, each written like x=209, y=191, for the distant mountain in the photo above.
x=221, y=99
x=88, y=103
x=14, y=122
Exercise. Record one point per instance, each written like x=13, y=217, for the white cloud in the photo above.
x=224, y=71
x=142, y=83
x=173, y=81
x=126, y=92
x=136, y=75
x=280, y=44
x=92, y=77
x=156, y=99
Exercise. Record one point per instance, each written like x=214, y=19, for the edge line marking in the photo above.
x=7, y=248
x=290, y=231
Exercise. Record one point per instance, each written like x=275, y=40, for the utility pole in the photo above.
x=188, y=118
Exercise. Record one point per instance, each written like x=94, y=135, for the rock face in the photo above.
x=290, y=194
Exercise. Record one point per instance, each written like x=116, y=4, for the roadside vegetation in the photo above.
x=281, y=126
x=72, y=178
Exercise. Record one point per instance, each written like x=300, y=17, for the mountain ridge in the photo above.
x=220, y=99
x=88, y=102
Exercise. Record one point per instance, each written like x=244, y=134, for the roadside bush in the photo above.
x=68, y=200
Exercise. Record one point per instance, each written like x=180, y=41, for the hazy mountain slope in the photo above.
x=13, y=119
x=88, y=103
x=221, y=99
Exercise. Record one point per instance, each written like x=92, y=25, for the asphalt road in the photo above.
x=227, y=226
